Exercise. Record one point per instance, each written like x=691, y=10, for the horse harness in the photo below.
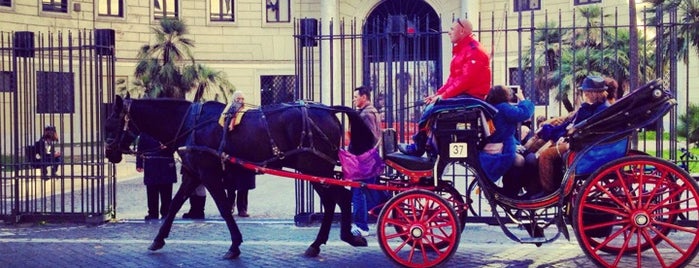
x=308, y=128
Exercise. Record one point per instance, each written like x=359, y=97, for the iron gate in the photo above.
x=400, y=57
x=64, y=80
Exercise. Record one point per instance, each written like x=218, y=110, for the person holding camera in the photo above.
x=500, y=151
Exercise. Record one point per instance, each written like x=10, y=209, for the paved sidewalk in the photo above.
x=267, y=244
x=270, y=239
x=273, y=197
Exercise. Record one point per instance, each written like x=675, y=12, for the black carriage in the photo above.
x=624, y=206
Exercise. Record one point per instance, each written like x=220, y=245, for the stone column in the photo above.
x=329, y=12
x=469, y=9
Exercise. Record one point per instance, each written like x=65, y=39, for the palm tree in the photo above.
x=158, y=63
x=686, y=38
x=204, y=78
x=687, y=35
x=565, y=58
x=688, y=124
x=168, y=69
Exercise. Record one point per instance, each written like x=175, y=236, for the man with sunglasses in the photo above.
x=469, y=76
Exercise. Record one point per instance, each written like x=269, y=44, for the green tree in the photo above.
x=566, y=57
x=688, y=124
x=203, y=79
x=687, y=35
x=167, y=68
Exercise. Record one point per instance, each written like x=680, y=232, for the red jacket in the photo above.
x=469, y=71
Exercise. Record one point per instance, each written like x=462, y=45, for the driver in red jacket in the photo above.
x=469, y=76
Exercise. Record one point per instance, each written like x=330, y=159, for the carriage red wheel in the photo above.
x=455, y=199
x=627, y=213
x=413, y=224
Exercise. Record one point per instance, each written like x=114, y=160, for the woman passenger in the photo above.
x=499, y=153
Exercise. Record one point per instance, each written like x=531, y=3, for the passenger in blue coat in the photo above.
x=159, y=174
x=500, y=152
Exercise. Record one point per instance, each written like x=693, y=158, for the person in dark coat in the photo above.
x=159, y=174
x=50, y=156
x=239, y=181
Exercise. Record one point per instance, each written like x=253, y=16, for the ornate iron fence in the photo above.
x=62, y=80
x=545, y=54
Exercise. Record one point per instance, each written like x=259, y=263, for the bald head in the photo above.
x=460, y=29
x=465, y=24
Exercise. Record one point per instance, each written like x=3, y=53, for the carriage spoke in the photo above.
x=668, y=240
x=614, y=197
x=418, y=229
x=653, y=245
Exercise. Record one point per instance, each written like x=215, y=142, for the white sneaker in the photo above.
x=356, y=231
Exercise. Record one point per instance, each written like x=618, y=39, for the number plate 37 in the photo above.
x=458, y=150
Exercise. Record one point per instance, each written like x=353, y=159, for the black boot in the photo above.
x=417, y=148
x=196, y=208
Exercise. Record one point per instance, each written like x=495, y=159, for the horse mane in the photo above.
x=361, y=137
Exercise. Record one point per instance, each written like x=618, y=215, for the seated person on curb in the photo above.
x=499, y=153
x=551, y=159
x=469, y=75
x=46, y=148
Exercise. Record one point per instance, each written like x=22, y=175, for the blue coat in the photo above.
x=158, y=165
x=505, y=121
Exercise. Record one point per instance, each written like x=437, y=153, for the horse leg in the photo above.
x=328, y=199
x=329, y=207
x=189, y=183
x=217, y=192
x=344, y=201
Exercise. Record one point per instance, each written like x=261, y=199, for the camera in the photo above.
x=514, y=89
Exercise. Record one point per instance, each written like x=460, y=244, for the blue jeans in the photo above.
x=359, y=206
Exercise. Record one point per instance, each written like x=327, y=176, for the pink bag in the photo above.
x=360, y=167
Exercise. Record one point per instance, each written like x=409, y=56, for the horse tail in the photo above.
x=361, y=137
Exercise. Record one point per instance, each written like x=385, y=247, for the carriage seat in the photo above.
x=465, y=103
x=470, y=125
x=598, y=155
x=392, y=156
x=410, y=162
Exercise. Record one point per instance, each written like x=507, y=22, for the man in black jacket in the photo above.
x=159, y=174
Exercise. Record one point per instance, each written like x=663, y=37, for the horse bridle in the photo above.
x=125, y=130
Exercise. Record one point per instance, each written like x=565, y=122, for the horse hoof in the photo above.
x=157, y=244
x=312, y=252
x=232, y=253
x=356, y=241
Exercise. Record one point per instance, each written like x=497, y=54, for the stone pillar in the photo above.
x=329, y=12
x=469, y=10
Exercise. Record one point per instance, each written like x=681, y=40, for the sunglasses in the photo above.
x=459, y=22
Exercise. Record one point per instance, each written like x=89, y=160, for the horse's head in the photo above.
x=119, y=133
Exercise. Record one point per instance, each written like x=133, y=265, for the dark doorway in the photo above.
x=402, y=59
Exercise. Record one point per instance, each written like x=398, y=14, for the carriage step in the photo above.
x=533, y=240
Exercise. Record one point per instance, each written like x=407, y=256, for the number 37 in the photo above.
x=458, y=150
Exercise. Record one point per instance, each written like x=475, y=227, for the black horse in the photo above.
x=302, y=136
